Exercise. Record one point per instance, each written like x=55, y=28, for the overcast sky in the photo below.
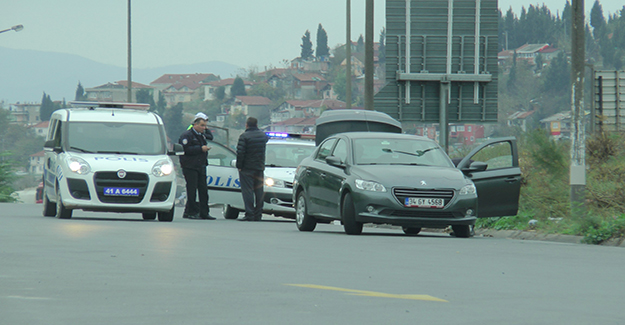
x=245, y=33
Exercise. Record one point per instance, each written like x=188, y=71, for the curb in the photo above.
x=532, y=235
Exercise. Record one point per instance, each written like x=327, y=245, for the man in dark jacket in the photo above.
x=194, y=162
x=251, y=165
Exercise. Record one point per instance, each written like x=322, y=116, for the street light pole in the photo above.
x=129, y=59
x=369, y=55
x=348, y=57
x=578, y=136
x=16, y=28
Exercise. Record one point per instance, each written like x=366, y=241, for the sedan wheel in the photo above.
x=230, y=212
x=302, y=219
x=351, y=226
x=411, y=230
x=462, y=231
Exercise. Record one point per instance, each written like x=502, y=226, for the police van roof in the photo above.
x=95, y=105
x=108, y=115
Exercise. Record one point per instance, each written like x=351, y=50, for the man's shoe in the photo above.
x=208, y=218
x=246, y=219
x=194, y=216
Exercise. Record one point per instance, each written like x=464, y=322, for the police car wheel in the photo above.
x=230, y=212
x=49, y=208
x=61, y=211
x=149, y=215
x=166, y=216
x=303, y=221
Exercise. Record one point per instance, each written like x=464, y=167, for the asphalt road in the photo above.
x=100, y=268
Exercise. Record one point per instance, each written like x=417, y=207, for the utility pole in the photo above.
x=578, y=137
x=129, y=58
x=369, y=56
x=348, y=58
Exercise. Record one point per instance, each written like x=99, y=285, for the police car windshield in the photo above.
x=399, y=152
x=286, y=154
x=126, y=138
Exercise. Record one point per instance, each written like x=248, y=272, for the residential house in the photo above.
x=167, y=80
x=36, y=163
x=520, y=119
x=25, y=113
x=429, y=131
x=41, y=129
x=210, y=88
x=251, y=106
x=181, y=88
x=308, y=85
x=115, y=92
x=528, y=53
x=466, y=134
x=303, y=108
x=299, y=125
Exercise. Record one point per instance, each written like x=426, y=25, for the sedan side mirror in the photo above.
x=335, y=161
x=178, y=150
x=476, y=166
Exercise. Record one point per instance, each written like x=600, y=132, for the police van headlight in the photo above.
x=162, y=168
x=272, y=182
x=78, y=165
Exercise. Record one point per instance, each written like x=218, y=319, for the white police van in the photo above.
x=283, y=153
x=110, y=157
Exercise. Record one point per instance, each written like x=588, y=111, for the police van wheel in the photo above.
x=230, y=212
x=166, y=216
x=149, y=215
x=49, y=208
x=61, y=211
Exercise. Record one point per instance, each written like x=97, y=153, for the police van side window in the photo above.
x=57, y=133
x=51, y=129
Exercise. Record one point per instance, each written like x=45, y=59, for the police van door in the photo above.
x=222, y=177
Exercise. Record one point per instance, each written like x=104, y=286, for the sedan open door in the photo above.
x=494, y=168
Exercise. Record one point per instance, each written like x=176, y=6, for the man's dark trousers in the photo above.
x=193, y=178
x=252, y=191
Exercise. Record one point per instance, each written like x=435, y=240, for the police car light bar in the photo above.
x=94, y=105
x=284, y=135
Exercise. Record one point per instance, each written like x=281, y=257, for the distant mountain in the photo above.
x=26, y=74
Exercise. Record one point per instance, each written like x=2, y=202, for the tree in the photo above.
x=145, y=96
x=307, y=51
x=597, y=21
x=322, y=43
x=6, y=178
x=382, y=48
x=161, y=105
x=80, y=93
x=173, y=122
x=266, y=90
x=360, y=45
x=220, y=93
x=47, y=107
x=238, y=88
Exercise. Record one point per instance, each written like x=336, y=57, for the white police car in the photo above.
x=284, y=152
x=110, y=157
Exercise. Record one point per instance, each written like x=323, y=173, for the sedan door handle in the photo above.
x=322, y=175
x=511, y=180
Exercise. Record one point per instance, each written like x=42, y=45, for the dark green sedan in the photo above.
x=404, y=180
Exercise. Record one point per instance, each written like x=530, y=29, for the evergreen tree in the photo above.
x=161, y=105
x=322, y=43
x=238, y=88
x=220, y=93
x=80, y=93
x=557, y=77
x=307, y=50
x=144, y=96
x=46, y=109
x=597, y=21
x=360, y=46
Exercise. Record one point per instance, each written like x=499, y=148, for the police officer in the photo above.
x=194, y=162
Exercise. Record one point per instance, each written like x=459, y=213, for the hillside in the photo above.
x=26, y=74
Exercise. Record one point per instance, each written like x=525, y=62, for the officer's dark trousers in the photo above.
x=252, y=191
x=196, y=182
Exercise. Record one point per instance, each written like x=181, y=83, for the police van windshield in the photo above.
x=120, y=138
x=286, y=155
